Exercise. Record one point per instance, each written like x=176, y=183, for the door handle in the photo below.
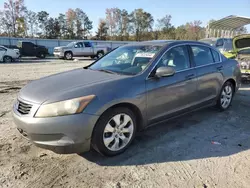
x=219, y=68
x=190, y=76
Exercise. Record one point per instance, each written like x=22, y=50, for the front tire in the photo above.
x=68, y=56
x=226, y=96
x=114, y=131
x=42, y=55
x=7, y=59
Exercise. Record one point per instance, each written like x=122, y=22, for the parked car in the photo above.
x=8, y=55
x=104, y=104
x=80, y=49
x=241, y=49
x=30, y=49
x=224, y=45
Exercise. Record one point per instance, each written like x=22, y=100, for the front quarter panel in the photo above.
x=130, y=90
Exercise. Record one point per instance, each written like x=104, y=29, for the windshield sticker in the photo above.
x=145, y=54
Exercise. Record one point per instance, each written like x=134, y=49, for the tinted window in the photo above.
x=216, y=56
x=219, y=43
x=87, y=44
x=202, y=55
x=176, y=57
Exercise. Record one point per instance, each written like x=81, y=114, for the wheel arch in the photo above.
x=137, y=112
x=100, y=51
x=7, y=56
x=232, y=81
x=68, y=51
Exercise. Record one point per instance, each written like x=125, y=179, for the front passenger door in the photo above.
x=167, y=96
x=78, y=49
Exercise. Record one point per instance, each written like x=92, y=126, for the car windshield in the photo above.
x=208, y=41
x=127, y=60
x=71, y=44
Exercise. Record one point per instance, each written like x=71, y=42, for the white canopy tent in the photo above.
x=226, y=27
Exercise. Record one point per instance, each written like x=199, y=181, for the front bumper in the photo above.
x=245, y=75
x=65, y=134
x=59, y=54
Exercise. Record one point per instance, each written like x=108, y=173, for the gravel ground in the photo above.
x=178, y=153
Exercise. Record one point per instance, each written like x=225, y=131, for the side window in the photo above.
x=202, y=55
x=79, y=45
x=216, y=56
x=2, y=49
x=87, y=44
x=176, y=57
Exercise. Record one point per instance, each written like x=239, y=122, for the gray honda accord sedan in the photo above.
x=103, y=105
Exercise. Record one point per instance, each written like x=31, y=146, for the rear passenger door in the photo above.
x=208, y=67
x=87, y=50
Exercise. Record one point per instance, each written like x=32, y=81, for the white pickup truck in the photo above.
x=80, y=49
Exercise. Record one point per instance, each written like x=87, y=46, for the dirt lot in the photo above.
x=176, y=154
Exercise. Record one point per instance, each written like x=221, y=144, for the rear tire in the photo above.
x=99, y=55
x=114, y=131
x=226, y=96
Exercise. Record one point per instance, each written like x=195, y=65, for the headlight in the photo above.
x=62, y=108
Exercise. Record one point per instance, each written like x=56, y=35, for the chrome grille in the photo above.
x=24, y=108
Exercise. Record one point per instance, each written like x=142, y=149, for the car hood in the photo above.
x=62, y=48
x=241, y=42
x=46, y=88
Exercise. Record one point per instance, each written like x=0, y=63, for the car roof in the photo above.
x=165, y=42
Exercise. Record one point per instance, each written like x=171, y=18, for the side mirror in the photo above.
x=164, y=72
x=76, y=46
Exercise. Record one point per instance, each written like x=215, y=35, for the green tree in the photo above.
x=63, y=25
x=53, y=28
x=43, y=18
x=102, y=31
x=83, y=24
x=165, y=30
x=32, y=23
x=141, y=23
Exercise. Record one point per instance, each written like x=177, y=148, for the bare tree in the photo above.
x=13, y=15
x=32, y=23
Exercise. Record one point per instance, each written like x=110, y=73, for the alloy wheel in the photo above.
x=68, y=56
x=226, y=96
x=118, y=132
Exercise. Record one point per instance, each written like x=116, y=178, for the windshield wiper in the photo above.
x=107, y=71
